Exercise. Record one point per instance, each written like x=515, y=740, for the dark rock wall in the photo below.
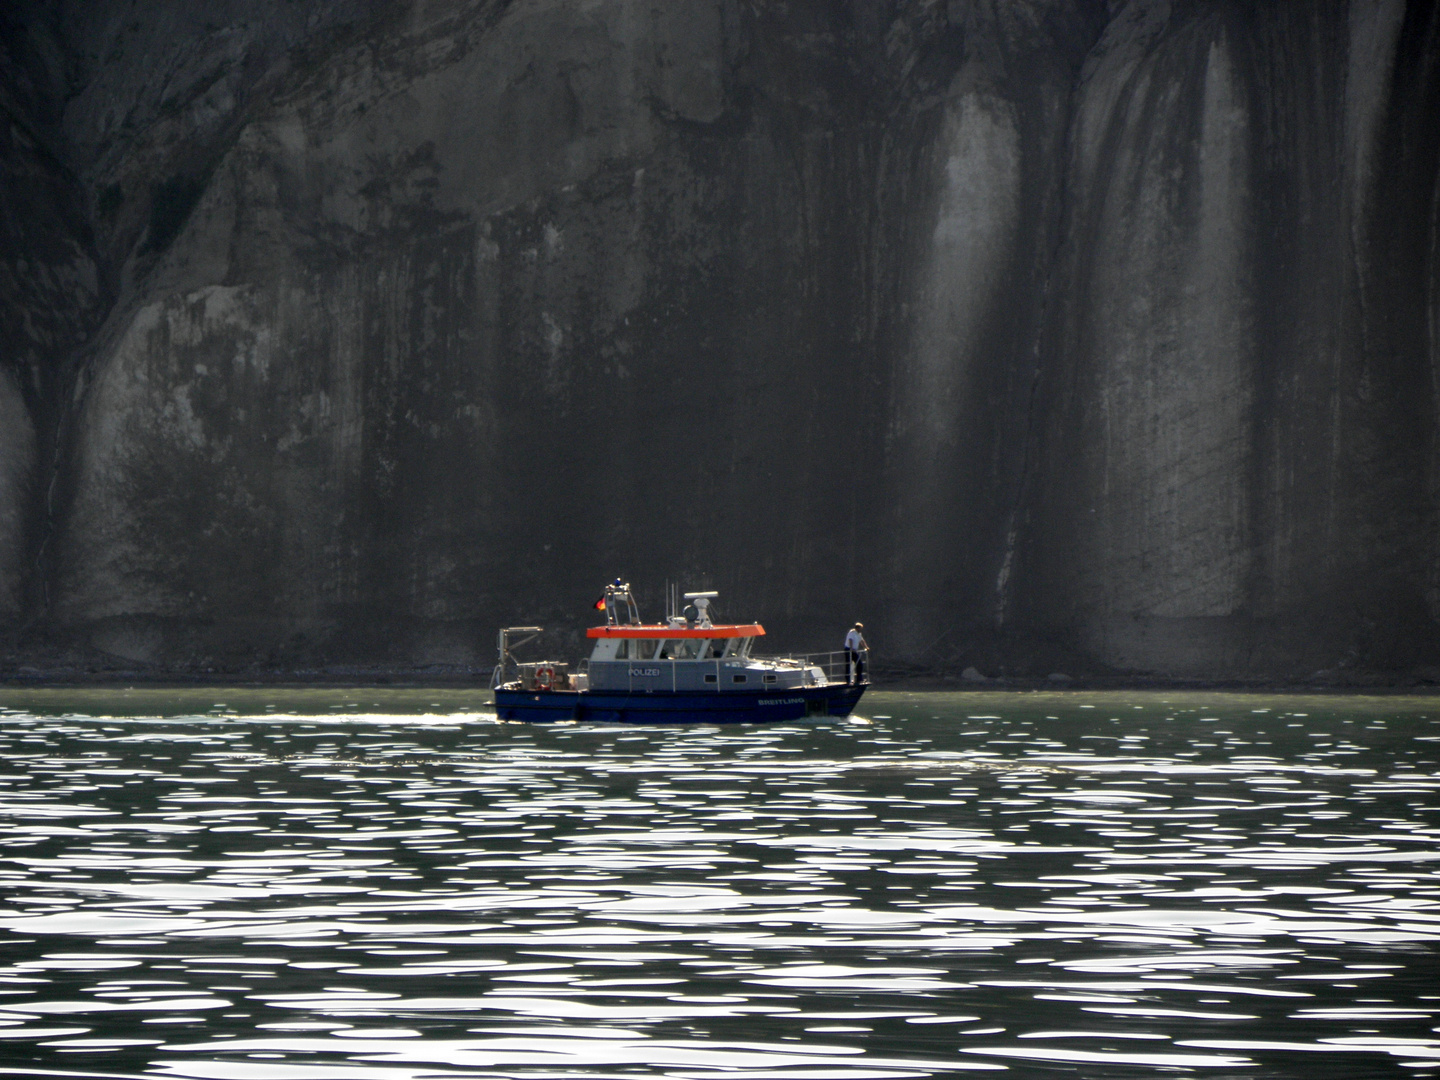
x=1234, y=471
x=1033, y=333
x=51, y=298
x=983, y=177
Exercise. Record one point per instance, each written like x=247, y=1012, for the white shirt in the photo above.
x=853, y=641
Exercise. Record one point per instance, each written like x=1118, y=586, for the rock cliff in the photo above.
x=1036, y=333
x=1235, y=467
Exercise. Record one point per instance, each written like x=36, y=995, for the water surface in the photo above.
x=386, y=885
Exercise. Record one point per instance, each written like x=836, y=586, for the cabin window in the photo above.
x=681, y=649
x=769, y=678
x=737, y=678
x=712, y=678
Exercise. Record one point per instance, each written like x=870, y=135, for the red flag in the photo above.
x=600, y=604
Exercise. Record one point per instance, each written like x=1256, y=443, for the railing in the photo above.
x=506, y=659
x=835, y=665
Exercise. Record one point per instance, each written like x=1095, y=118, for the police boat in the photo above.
x=686, y=670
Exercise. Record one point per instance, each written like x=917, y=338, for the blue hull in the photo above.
x=732, y=707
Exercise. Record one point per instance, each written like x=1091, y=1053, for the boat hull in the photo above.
x=731, y=707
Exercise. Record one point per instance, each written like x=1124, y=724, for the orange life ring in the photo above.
x=545, y=677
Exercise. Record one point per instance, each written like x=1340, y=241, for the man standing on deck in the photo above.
x=855, y=650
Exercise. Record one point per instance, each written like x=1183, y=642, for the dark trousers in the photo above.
x=854, y=666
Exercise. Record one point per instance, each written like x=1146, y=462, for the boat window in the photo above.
x=643, y=649
x=681, y=649
x=742, y=646
x=712, y=678
x=771, y=678
x=737, y=678
x=713, y=650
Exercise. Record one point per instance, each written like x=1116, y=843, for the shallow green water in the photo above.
x=385, y=884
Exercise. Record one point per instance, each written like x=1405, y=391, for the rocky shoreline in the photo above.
x=906, y=679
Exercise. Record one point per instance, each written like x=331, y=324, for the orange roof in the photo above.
x=752, y=630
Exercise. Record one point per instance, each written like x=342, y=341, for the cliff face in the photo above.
x=1234, y=473
x=1022, y=330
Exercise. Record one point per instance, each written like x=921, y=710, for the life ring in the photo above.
x=545, y=677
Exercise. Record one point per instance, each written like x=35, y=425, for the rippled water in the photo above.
x=385, y=885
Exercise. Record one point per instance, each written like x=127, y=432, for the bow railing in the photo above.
x=837, y=665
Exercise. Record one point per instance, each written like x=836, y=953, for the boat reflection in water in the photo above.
x=687, y=669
